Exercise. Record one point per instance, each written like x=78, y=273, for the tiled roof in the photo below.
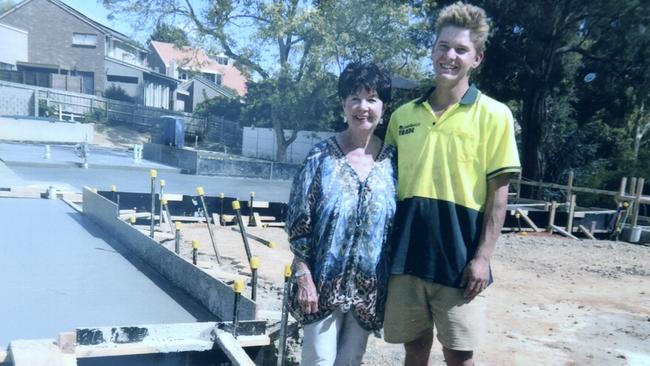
x=187, y=57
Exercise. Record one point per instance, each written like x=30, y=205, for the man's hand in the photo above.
x=307, y=295
x=475, y=277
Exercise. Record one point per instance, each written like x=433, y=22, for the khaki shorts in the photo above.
x=414, y=306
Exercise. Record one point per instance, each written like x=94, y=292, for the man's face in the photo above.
x=454, y=55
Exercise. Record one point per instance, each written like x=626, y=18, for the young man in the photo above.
x=456, y=152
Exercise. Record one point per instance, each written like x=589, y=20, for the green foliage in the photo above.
x=96, y=115
x=44, y=110
x=227, y=108
x=6, y=5
x=170, y=34
x=117, y=93
x=295, y=49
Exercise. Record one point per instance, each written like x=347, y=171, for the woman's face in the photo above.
x=363, y=109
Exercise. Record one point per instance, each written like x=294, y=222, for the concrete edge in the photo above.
x=216, y=296
x=11, y=163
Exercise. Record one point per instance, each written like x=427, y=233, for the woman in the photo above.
x=340, y=214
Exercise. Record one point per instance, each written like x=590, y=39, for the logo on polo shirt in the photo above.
x=407, y=129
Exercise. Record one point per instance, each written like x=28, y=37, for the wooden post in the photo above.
x=551, y=217
x=621, y=189
x=632, y=185
x=592, y=228
x=637, y=201
x=518, y=188
x=572, y=208
x=569, y=187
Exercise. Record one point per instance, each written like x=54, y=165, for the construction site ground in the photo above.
x=555, y=301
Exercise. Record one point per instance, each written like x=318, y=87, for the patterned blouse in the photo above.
x=338, y=225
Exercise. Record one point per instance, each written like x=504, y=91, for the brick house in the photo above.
x=67, y=50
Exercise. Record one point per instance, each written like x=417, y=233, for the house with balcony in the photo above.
x=53, y=45
x=201, y=76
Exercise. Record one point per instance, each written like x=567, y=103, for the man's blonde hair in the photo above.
x=466, y=16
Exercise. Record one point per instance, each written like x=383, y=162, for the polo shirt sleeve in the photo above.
x=502, y=154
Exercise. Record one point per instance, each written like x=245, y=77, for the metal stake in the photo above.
x=153, y=173
x=201, y=192
x=285, y=316
x=177, y=243
x=238, y=287
x=195, y=251
x=255, y=264
x=242, y=228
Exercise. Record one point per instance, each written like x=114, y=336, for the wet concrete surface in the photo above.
x=59, y=271
x=24, y=165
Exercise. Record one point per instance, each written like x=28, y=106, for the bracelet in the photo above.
x=302, y=272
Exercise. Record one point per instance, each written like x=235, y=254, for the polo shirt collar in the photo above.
x=469, y=98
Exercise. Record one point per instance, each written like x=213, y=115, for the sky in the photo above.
x=96, y=11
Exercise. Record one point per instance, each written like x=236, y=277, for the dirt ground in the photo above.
x=555, y=301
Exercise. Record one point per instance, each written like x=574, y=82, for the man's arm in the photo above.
x=477, y=271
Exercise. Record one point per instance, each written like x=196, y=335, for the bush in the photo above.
x=117, y=93
x=97, y=115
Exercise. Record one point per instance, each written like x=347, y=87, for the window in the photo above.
x=222, y=60
x=182, y=75
x=84, y=39
x=122, y=79
x=215, y=78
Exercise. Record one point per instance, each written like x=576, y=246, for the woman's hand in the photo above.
x=307, y=295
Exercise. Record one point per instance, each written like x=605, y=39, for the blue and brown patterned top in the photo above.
x=339, y=225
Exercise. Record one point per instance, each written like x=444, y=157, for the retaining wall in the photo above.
x=187, y=160
x=41, y=130
x=215, y=295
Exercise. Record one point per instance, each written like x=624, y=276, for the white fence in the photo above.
x=261, y=143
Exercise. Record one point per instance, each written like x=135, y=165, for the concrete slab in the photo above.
x=25, y=154
x=60, y=271
x=72, y=178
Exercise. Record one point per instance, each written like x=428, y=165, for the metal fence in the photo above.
x=226, y=134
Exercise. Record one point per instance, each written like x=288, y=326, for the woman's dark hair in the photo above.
x=365, y=75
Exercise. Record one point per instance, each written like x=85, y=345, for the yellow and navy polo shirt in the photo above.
x=444, y=164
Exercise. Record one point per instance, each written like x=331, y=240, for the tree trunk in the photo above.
x=532, y=132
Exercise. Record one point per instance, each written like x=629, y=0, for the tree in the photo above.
x=6, y=5
x=170, y=34
x=294, y=46
x=535, y=49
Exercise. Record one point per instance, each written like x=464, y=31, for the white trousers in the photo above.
x=335, y=340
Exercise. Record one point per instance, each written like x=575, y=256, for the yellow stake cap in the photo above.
x=517, y=215
x=255, y=262
x=625, y=204
x=132, y=219
x=235, y=205
x=195, y=244
x=163, y=201
x=162, y=182
x=113, y=188
x=153, y=173
x=221, y=195
x=200, y=191
x=272, y=244
x=94, y=190
x=178, y=225
x=239, y=286
x=252, y=194
x=287, y=270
